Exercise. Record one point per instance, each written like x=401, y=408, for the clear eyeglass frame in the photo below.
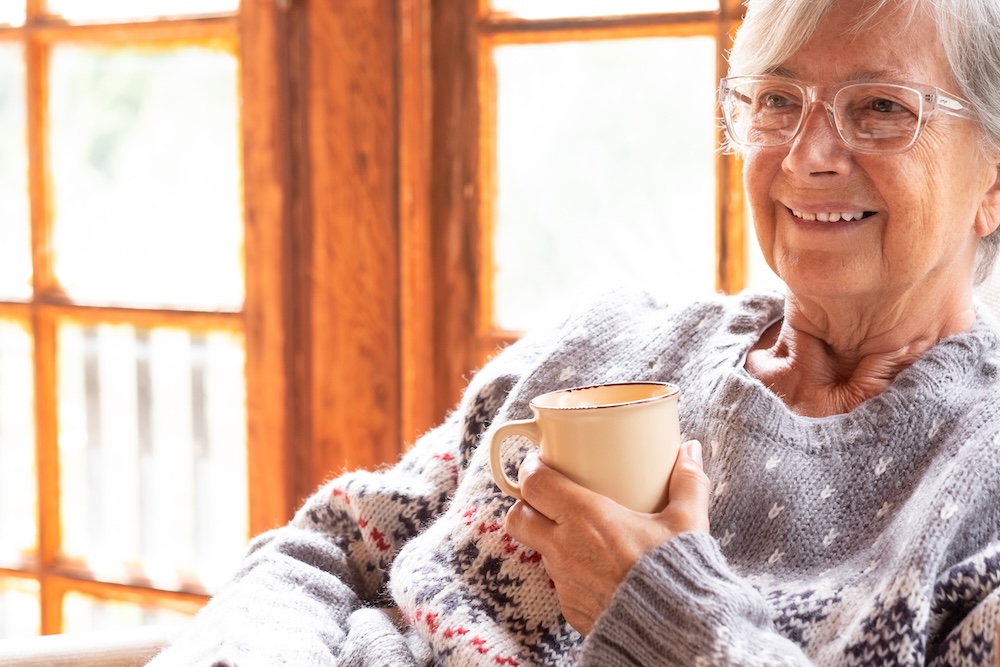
x=926, y=100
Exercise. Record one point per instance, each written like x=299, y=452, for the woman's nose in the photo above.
x=817, y=148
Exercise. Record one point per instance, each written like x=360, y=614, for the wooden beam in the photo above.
x=267, y=182
x=350, y=268
x=455, y=197
x=416, y=264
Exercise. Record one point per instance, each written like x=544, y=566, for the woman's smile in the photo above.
x=831, y=216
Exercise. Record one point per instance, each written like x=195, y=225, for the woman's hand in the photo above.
x=589, y=543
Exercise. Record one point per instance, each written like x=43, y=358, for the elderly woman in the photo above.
x=844, y=509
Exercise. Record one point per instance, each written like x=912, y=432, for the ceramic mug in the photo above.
x=620, y=440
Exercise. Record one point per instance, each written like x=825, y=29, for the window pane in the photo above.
x=145, y=165
x=87, y=613
x=75, y=10
x=12, y=12
x=17, y=443
x=15, y=248
x=605, y=173
x=152, y=450
x=542, y=9
x=20, y=614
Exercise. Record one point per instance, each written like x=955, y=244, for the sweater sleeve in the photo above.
x=306, y=592
x=967, y=611
x=682, y=605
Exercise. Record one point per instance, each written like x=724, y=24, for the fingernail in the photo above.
x=692, y=449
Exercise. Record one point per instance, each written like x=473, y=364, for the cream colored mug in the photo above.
x=620, y=440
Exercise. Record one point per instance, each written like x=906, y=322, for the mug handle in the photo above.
x=526, y=427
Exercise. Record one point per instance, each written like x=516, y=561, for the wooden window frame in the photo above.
x=380, y=146
x=464, y=158
x=251, y=34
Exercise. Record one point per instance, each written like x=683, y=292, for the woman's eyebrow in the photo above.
x=782, y=72
x=880, y=75
x=860, y=75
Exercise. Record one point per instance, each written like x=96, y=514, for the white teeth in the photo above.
x=829, y=217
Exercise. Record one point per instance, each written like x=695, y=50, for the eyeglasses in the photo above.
x=769, y=111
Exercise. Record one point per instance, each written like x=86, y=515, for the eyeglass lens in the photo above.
x=875, y=117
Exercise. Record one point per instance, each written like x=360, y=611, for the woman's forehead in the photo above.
x=895, y=44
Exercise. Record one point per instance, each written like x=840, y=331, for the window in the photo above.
x=269, y=358
x=125, y=460
x=591, y=159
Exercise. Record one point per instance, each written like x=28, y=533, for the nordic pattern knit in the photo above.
x=869, y=538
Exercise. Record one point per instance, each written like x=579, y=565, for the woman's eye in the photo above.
x=774, y=100
x=886, y=106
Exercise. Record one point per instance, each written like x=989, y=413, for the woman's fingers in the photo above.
x=550, y=492
x=530, y=527
x=588, y=543
x=689, y=492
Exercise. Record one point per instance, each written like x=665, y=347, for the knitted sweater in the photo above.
x=868, y=538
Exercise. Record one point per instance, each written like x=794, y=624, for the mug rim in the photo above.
x=673, y=390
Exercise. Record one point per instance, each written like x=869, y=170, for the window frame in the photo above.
x=251, y=34
x=464, y=184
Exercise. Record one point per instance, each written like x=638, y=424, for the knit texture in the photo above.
x=869, y=538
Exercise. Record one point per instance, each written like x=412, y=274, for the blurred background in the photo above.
x=244, y=246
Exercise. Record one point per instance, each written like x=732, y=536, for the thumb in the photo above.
x=689, y=490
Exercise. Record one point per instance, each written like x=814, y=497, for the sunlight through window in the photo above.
x=152, y=450
x=146, y=178
x=15, y=246
x=543, y=9
x=12, y=12
x=74, y=10
x=18, y=504
x=88, y=613
x=605, y=173
x=19, y=607
x=124, y=429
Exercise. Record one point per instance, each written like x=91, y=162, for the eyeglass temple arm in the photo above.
x=950, y=105
x=740, y=96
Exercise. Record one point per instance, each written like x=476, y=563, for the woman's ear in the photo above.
x=988, y=216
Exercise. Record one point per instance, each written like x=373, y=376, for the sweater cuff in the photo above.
x=680, y=603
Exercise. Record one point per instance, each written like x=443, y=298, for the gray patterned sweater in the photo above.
x=869, y=538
